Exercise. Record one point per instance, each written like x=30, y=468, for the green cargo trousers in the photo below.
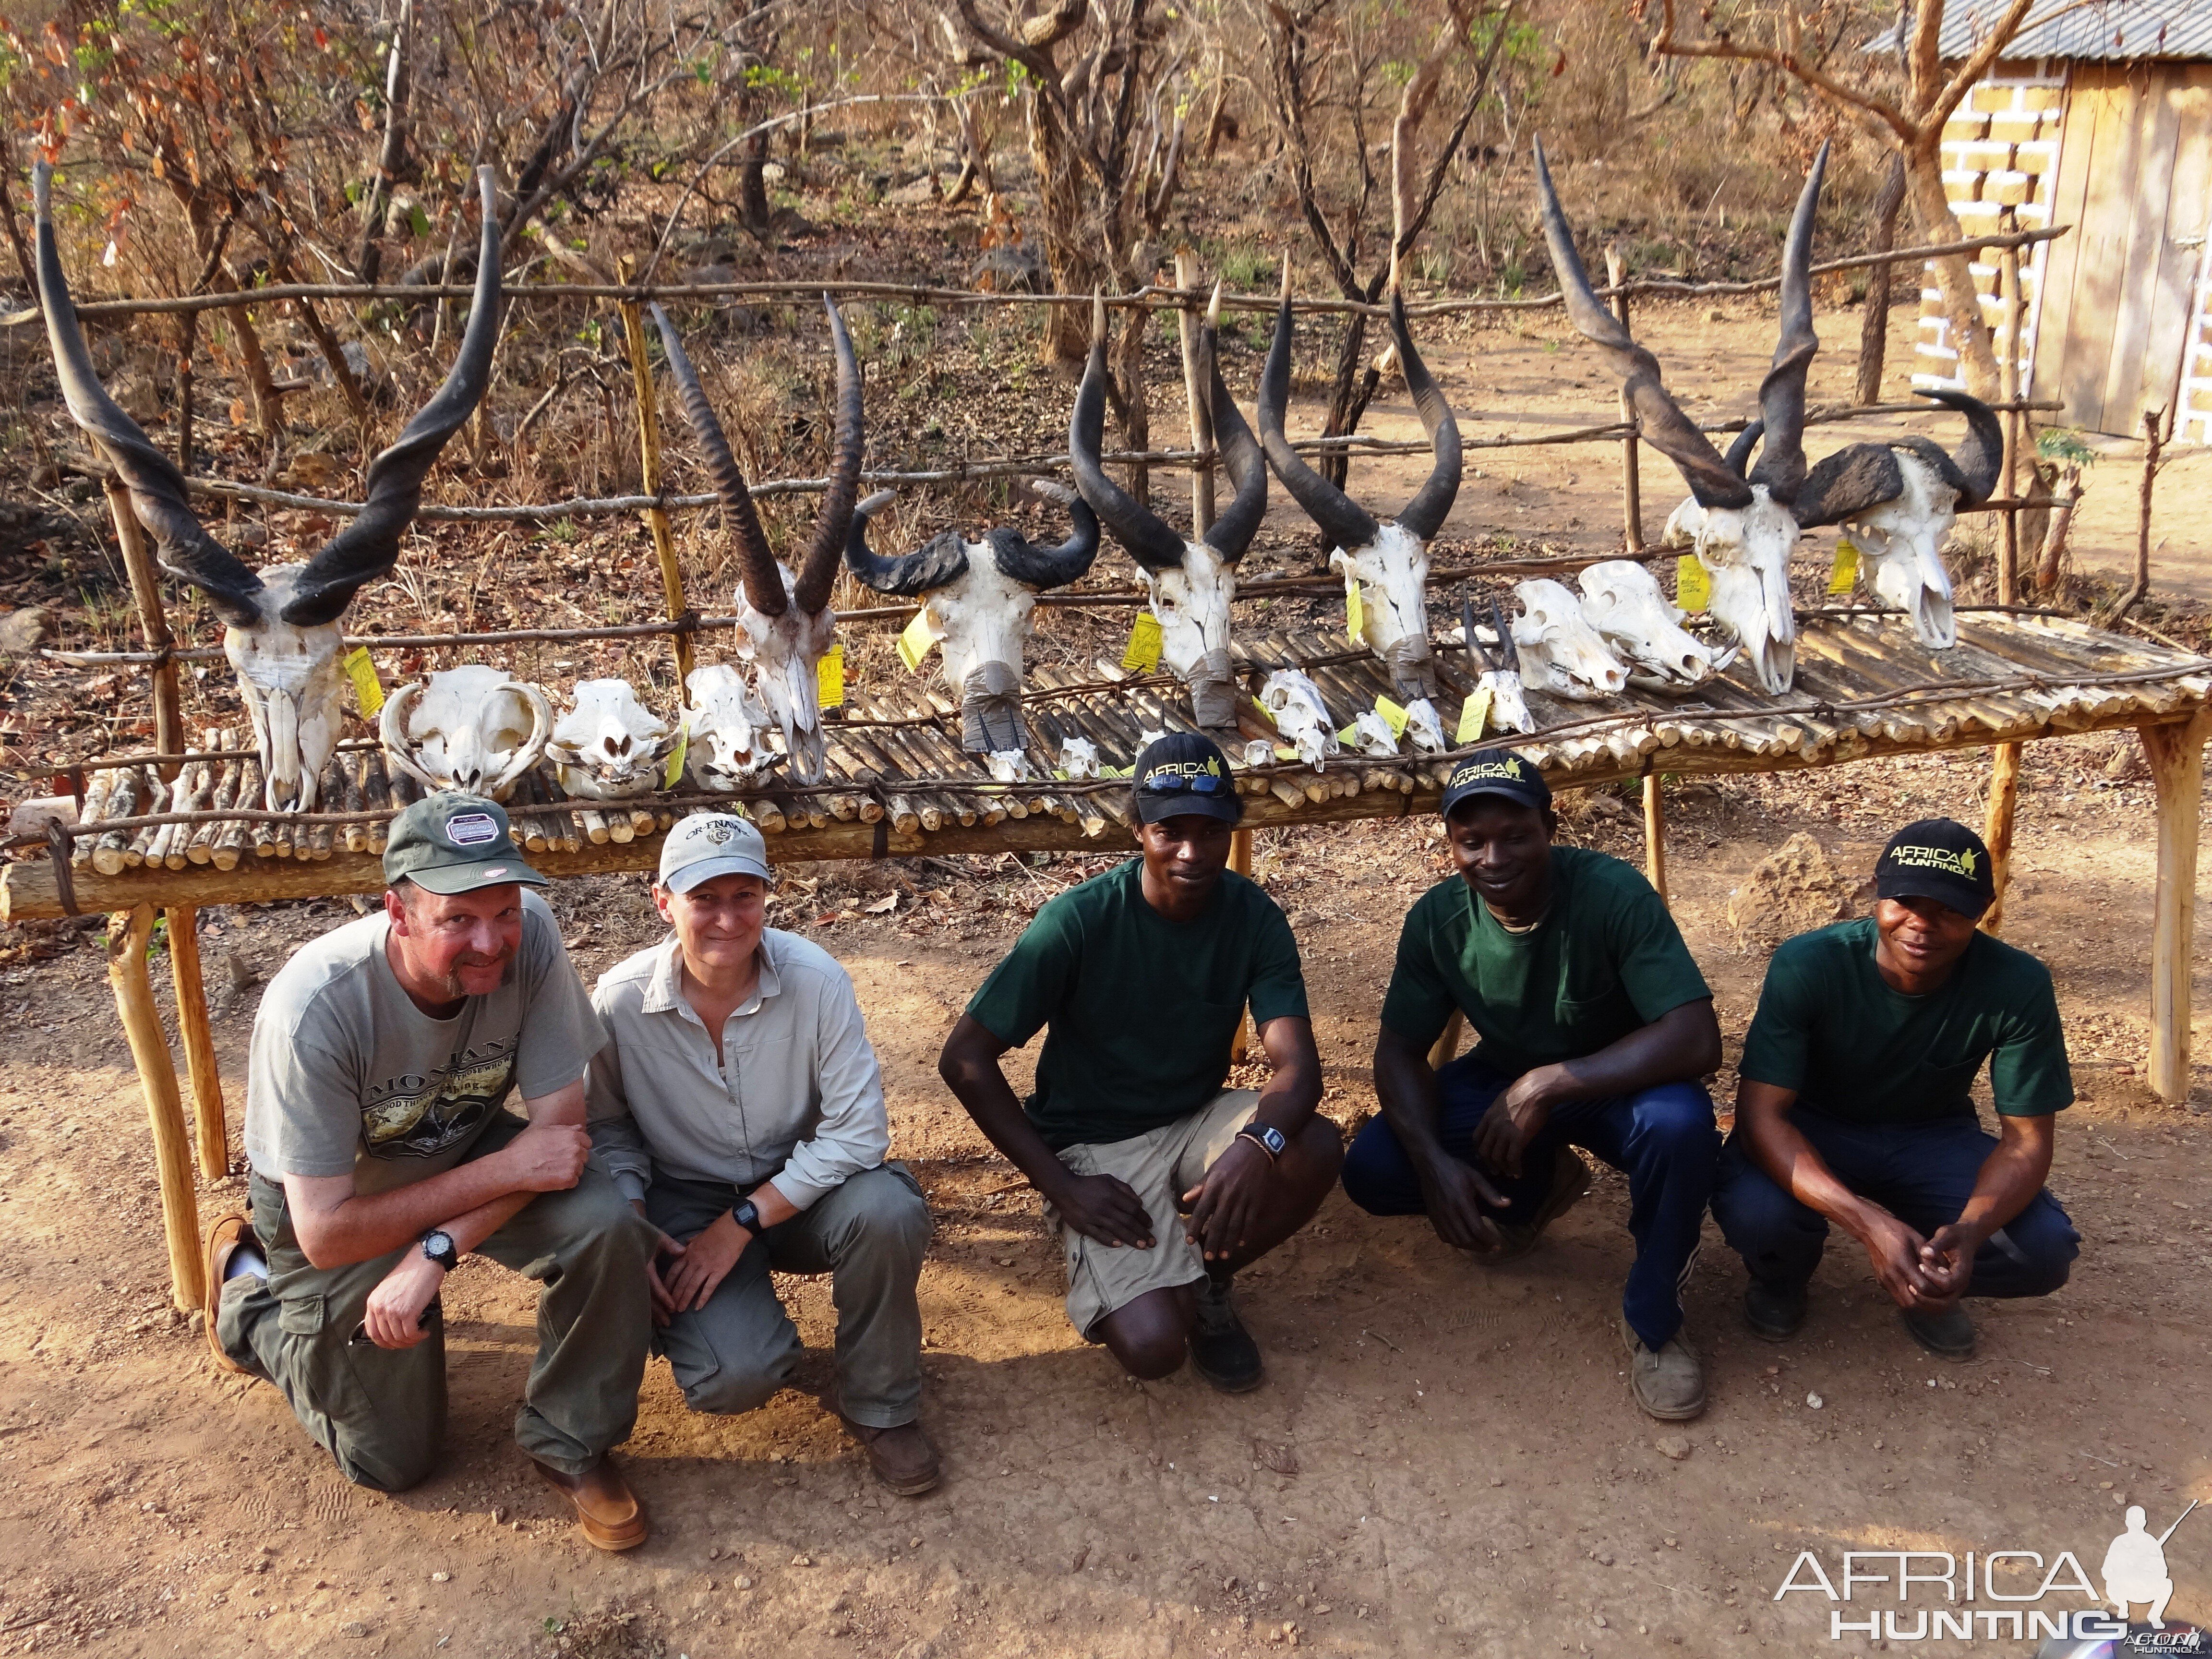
x=381, y=1412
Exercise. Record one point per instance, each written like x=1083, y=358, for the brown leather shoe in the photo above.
x=222, y=1242
x=607, y=1514
x=901, y=1457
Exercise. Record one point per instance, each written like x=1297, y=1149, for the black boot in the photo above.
x=1221, y=1350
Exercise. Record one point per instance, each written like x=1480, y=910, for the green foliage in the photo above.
x=2063, y=445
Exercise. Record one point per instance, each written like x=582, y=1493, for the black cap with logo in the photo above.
x=1937, y=859
x=1184, y=772
x=1498, y=772
x=451, y=843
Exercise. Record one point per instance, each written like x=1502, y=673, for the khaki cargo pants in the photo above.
x=381, y=1412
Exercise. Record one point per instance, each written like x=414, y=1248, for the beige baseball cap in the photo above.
x=710, y=844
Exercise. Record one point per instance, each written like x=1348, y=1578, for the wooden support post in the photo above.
x=1996, y=827
x=1447, y=1045
x=1200, y=396
x=2176, y=753
x=648, y=444
x=1240, y=860
x=145, y=594
x=2009, y=548
x=127, y=936
x=1631, y=483
x=1655, y=836
x=208, y=1127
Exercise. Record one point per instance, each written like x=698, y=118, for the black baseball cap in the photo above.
x=1938, y=859
x=449, y=843
x=1184, y=772
x=1498, y=772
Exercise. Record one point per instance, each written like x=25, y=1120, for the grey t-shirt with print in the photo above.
x=348, y=1076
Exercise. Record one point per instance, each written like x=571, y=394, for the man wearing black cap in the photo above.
x=1854, y=1108
x=1160, y=1184
x=1596, y=1026
x=382, y=1054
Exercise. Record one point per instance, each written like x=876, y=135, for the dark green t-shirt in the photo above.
x=1142, y=1010
x=1830, y=1027
x=1606, y=960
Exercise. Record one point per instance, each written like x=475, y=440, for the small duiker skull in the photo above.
x=1560, y=653
x=608, y=745
x=476, y=729
x=725, y=730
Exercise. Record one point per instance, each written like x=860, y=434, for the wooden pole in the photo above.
x=145, y=594
x=1240, y=860
x=2004, y=758
x=1631, y=483
x=127, y=936
x=648, y=444
x=1655, y=836
x=1202, y=409
x=2176, y=753
x=1447, y=1045
x=208, y=1127
x=1996, y=827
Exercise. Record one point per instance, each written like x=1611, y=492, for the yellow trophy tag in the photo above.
x=670, y=778
x=1349, y=736
x=913, y=643
x=1472, y=714
x=1142, y=653
x=1693, y=584
x=828, y=678
x=1355, y=610
x=1843, y=575
x=1393, y=716
x=367, y=689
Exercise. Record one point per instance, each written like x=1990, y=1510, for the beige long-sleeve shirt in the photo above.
x=796, y=1095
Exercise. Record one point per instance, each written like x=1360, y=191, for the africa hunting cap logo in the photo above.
x=1486, y=769
x=1962, y=862
x=1208, y=768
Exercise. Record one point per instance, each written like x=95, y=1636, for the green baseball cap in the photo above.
x=451, y=843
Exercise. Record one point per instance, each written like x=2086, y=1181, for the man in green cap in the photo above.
x=382, y=1054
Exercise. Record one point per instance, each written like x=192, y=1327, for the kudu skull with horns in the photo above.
x=977, y=597
x=282, y=623
x=1387, y=562
x=785, y=624
x=1191, y=582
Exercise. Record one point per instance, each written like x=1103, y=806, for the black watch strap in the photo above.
x=438, y=1245
x=1268, y=1137
x=747, y=1215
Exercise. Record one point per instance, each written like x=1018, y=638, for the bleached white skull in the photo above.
x=1008, y=765
x=725, y=730
x=608, y=745
x=1623, y=601
x=1509, y=708
x=1425, y=727
x=1295, y=703
x=1258, y=751
x=1373, y=735
x=1078, y=757
x=475, y=728
x=1900, y=545
x=294, y=691
x=1746, y=553
x=1560, y=653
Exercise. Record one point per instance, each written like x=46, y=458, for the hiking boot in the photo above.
x=1569, y=1181
x=900, y=1456
x=1774, y=1311
x=1670, y=1384
x=607, y=1512
x=1948, y=1335
x=224, y=1242
x=1221, y=1350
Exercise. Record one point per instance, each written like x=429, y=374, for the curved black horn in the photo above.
x=941, y=560
x=1424, y=513
x=369, y=546
x=811, y=589
x=1659, y=419
x=1781, y=394
x=1151, y=543
x=1739, y=452
x=157, y=489
x=1343, y=520
x=1021, y=560
x=1978, y=459
x=1231, y=533
x=756, y=570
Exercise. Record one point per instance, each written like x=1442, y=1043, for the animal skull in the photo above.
x=1509, y=707
x=474, y=729
x=1295, y=703
x=1900, y=540
x=1008, y=765
x=608, y=746
x=1078, y=757
x=289, y=680
x=1560, y=653
x=1623, y=601
x=725, y=730
x=1746, y=552
x=1424, y=728
x=1373, y=734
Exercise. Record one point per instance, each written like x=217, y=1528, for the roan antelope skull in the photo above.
x=475, y=728
x=608, y=745
x=785, y=624
x=1622, y=600
x=726, y=729
x=1388, y=562
x=977, y=597
x=1560, y=653
x=281, y=625
x=1191, y=582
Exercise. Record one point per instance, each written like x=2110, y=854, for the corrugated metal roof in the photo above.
x=2093, y=29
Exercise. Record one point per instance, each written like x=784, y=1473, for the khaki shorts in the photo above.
x=1159, y=1167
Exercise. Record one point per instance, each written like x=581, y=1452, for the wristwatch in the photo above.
x=748, y=1216
x=438, y=1245
x=1268, y=1137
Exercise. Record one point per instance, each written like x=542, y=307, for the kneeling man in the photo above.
x=1160, y=1184
x=738, y=1105
x=381, y=1056
x=1596, y=1026
x=1854, y=1107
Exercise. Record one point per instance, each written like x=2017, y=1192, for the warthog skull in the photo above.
x=608, y=745
x=475, y=728
x=281, y=625
x=1295, y=703
x=1560, y=653
x=726, y=729
x=1191, y=582
x=1622, y=600
x=785, y=624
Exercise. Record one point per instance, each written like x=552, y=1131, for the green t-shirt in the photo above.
x=1606, y=960
x=1142, y=1010
x=1830, y=1027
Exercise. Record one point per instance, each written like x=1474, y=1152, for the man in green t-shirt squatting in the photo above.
x=1159, y=1182
x=1854, y=1107
x=1595, y=1027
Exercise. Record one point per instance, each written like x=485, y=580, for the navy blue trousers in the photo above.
x=1921, y=1173
x=1662, y=1137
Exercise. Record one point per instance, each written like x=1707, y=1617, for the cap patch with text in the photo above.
x=450, y=843
x=1496, y=772
x=1937, y=859
x=1185, y=772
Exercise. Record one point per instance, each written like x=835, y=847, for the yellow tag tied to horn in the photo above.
x=1473, y=713
x=1844, y=575
x=674, y=773
x=1393, y=716
x=1693, y=584
x=1142, y=653
x=830, y=677
x=367, y=689
x=913, y=643
x=1355, y=611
